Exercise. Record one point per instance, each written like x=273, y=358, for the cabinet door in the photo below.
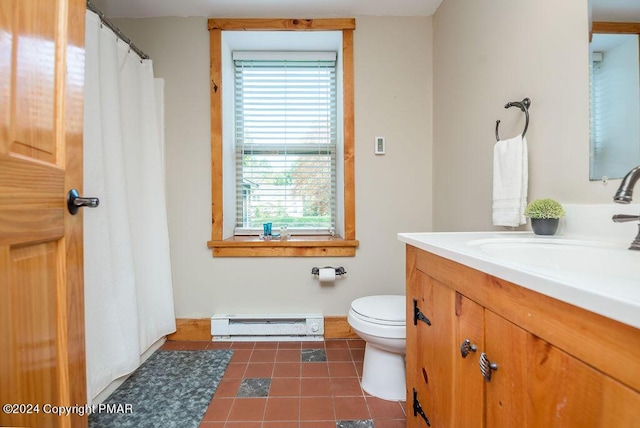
x=411, y=359
x=416, y=387
x=538, y=385
x=468, y=409
x=507, y=394
x=437, y=350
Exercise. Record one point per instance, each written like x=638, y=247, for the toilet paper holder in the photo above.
x=339, y=270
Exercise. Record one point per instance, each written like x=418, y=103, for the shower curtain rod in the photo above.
x=116, y=30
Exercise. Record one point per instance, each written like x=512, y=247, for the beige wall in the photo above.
x=485, y=53
x=393, y=192
x=489, y=52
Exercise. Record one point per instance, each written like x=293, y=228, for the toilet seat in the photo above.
x=387, y=310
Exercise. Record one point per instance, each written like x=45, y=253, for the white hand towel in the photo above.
x=510, y=181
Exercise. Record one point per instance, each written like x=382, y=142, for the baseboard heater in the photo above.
x=273, y=327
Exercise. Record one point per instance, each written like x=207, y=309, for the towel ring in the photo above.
x=522, y=105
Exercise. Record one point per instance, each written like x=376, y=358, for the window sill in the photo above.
x=297, y=246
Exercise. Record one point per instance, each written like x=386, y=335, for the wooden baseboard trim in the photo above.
x=338, y=328
x=192, y=329
x=199, y=329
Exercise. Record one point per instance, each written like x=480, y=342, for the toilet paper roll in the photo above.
x=327, y=275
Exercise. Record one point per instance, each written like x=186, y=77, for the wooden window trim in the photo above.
x=602, y=27
x=297, y=246
x=615, y=27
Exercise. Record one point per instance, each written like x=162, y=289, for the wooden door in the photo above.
x=538, y=385
x=437, y=346
x=41, y=276
x=507, y=395
x=411, y=359
x=468, y=409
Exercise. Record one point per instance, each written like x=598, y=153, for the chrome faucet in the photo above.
x=623, y=196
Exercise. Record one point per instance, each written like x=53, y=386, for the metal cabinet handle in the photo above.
x=75, y=202
x=486, y=366
x=466, y=348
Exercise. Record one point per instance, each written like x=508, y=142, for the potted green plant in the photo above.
x=545, y=215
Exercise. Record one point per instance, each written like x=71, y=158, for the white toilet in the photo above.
x=381, y=321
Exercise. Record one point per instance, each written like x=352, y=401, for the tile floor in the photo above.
x=295, y=385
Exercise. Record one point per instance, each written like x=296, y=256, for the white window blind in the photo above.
x=594, y=117
x=285, y=141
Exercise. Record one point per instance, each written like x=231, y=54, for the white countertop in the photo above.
x=615, y=297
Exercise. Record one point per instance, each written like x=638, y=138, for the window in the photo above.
x=285, y=141
x=300, y=175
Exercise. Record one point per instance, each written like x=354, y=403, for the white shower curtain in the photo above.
x=128, y=289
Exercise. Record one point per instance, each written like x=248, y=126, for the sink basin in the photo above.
x=594, y=258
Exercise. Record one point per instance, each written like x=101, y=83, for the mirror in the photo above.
x=615, y=105
x=614, y=54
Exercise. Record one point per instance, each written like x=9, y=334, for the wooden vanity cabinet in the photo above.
x=557, y=365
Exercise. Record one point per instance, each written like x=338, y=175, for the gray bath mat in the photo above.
x=171, y=389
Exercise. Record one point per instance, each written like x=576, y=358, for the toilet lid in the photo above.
x=388, y=309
